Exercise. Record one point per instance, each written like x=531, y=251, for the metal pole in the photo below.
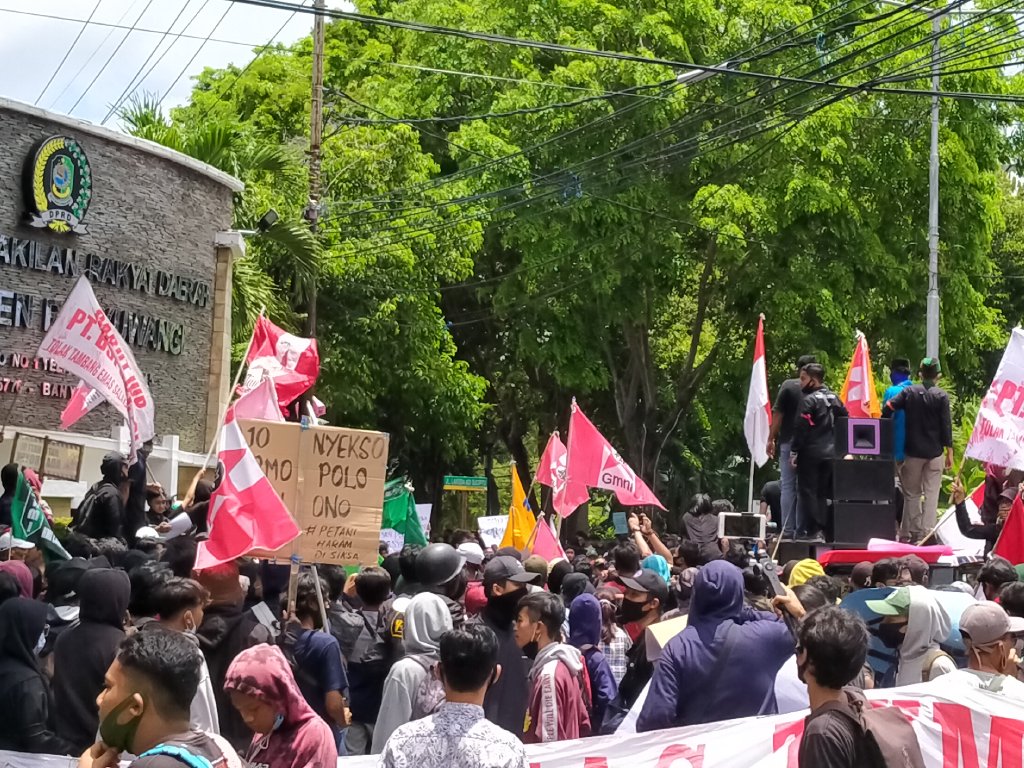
x=932, y=326
x=316, y=129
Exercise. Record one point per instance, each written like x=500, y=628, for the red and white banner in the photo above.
x=757, y=421
x=998, y=436
x=551, y=472
x=593, y=462
x=957, y=727
x=83, y=341
x=83, y=399
x=293, y=362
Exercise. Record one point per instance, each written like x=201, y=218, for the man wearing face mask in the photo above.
x=917, y=624
x=144, y=708
x=559, y=694
x=642, y=605
x=992, y=658
x=458, y=734
x=505, y=584
x=180, y=604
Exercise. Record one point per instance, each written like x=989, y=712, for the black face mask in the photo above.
x=891, y=635
x=630, y=611
x=504, y=606
x=801, y=672
x=531, y=649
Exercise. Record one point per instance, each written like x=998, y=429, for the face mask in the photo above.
x=40, y=644
x=801, y=671
x=890, y=635
x=504, y=605
x=278, y=721
x=631, y=611
x=119, y=735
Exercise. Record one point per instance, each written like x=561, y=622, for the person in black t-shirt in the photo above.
x=831, y=649
x=771, y=501
x=785, y=412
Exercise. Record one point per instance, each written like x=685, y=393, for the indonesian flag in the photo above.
x=758, y=419
x=544, y=543
x=83, y=399
x=259, y=403
x=859, y=388
x=1011, y=540
x=293, y=362
x=592, y=462
x=245, y=511
x=551, y=472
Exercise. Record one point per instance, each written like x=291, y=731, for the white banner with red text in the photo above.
x=957, y=726
x=998, y=436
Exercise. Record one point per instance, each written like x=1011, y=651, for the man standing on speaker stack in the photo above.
x=813, y=447
x=900, y=376
x=785, y=413
x=928, y=449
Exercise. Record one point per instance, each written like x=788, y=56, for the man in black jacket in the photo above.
x=813, y=447
x=101, y=514
x=505, y=582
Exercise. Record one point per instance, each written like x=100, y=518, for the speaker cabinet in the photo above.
x=864, y=437
x=855, y=523
x=863, y=479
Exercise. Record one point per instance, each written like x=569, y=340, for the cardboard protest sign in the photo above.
x=998, y=436
x=332, y=481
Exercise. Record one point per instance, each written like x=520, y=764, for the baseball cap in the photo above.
x=985, y=622
x=861, y=574
x=650, y=582
x=505, y=568
x=472, y=552
x=896, y=604
x=1010, y=494
x=7, y=541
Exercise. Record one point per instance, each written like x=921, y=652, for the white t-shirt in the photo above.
x=1004, y=685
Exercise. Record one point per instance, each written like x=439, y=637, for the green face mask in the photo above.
x=116, y=734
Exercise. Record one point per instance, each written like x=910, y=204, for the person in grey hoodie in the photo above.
x=426, y=618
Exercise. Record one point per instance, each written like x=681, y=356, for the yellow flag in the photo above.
x=521, y=520
x=859, y=392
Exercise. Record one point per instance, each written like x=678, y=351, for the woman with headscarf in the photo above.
x=659, y=565
x=585, y=634
x=288, y=733
x=573, y=585
x=426, y=618
x=21, y=573
x=26, y=710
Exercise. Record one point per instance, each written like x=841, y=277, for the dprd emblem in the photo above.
x=58, y=185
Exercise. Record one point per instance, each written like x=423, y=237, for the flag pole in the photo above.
x=224, y=409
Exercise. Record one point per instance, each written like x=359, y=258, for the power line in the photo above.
x=194, y=55
x=67, y=53
x=128, y=89
x=109, y=59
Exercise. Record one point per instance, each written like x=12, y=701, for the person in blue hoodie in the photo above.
x=723, y=665
x=585, y=634
x=899, y=375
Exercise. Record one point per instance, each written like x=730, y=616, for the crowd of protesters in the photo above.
x=457, y=654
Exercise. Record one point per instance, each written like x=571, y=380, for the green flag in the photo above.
x=29, y=523
x=400, y=513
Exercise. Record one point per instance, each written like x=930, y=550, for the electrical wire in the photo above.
x=109, y=58
x=67, y=53
x=194, y=55
x=128, y=89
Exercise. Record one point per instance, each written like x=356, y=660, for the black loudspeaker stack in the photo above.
x=863, y=481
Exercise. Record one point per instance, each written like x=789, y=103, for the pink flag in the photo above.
x=259, y=403
x=83, y=399
x=246, y=512
x=551, y=472
x=544, y=543
x=592, y=462
x=291, y=361
x=758, y=419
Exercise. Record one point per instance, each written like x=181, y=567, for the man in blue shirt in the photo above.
x=899, y=375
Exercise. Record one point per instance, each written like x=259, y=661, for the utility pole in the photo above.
x=316, y=131
x=932, y=307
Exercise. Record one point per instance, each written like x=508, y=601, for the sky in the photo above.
x=32, y=46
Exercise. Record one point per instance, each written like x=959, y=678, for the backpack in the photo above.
x=287, y=641
x=887, y=738
x=346, y=625
x=429, y=694
x=180, y=754
x=81, y=514
x=929, y=661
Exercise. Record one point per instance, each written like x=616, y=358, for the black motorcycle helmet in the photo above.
x=437, y=564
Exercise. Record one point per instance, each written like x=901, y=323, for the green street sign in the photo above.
x=460, y=483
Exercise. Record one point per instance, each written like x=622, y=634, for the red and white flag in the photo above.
x=859, y=393
x=83, y=341
x=246, y=513
x=293, y=362
x=551, y=472
x=757, y=421
x=259, y=403
x=592, y=462
x=83, y=399
x=543, y=542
